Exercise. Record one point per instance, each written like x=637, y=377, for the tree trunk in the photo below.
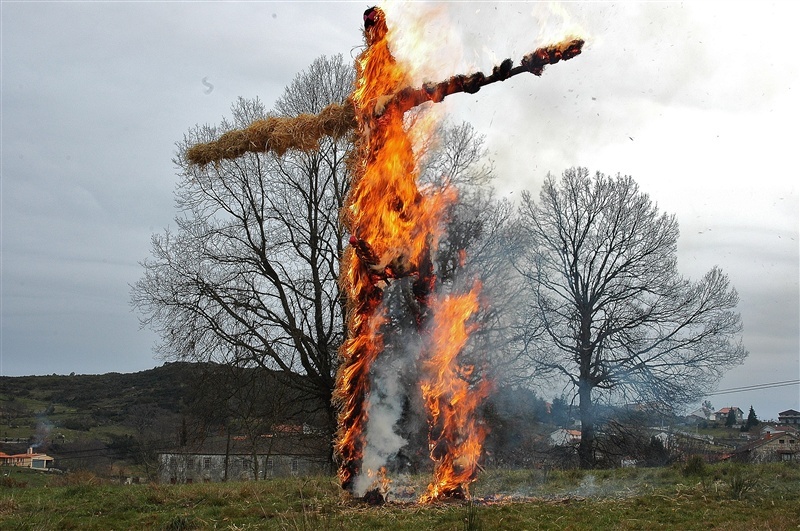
x=331, y=424
x=586, y=410
x=585, y=384
x=255, y=461
x=227, y=453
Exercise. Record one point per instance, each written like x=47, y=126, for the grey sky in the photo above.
x=698, y=102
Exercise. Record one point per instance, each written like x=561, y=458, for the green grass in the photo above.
x=658, y=498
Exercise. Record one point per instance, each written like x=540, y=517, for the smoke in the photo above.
x=384, y=410
x=43, y=429
x=389, y=389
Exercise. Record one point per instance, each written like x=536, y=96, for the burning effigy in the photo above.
x=394, y=226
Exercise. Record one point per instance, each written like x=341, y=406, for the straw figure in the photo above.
x=379, y=247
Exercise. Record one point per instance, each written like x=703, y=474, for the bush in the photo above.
x=8, y=506
x=82, y=423
x=740, y=484
x=12, y=483
x=695, y=466
x=80, y=478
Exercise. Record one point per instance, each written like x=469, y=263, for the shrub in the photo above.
x=80, y=478
x=741, y=483
x=8, y=505
x=695, y=466
x=12, y=483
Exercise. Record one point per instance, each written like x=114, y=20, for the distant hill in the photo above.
x=114, y=421
x=161, y=386
x=33, y=406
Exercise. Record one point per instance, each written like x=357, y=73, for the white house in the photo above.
x=35, y=461
x=565, y=437
x=240, y=459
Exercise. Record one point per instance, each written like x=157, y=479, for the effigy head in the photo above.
x=374, y=25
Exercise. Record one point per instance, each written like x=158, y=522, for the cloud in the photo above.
x=694, y=102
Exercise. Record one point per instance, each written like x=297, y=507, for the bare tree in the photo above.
x=610, y=312
x=250, y=277
x=246, y=404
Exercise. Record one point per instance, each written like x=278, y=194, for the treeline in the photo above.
x=118, y=421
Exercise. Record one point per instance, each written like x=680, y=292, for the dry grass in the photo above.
x=601, y=499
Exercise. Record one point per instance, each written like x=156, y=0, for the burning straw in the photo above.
x=394, y=227
x=303, y=132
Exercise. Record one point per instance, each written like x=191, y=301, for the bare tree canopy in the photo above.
x=610, y=312
x=250, y=277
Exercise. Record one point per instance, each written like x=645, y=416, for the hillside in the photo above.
x=110, y=423
x=75, y=405
x=114, y=423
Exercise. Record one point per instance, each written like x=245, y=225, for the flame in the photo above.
x=558, y=22
x=424, y=30
x=386, y=207
x=380, y=480
x=395, y=226
x=451, y=398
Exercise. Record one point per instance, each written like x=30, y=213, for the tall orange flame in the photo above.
x=394, y=226
x=452, y=398
x=392, y=223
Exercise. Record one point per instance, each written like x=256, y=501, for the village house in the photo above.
x=790, y=417
x=242, y=459
x=698, y=416
x=35, y=461
x=722, y=415
x=773, y=446
x=771, y=429
x=565, y=437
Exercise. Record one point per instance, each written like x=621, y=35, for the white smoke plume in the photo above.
x=388, y=392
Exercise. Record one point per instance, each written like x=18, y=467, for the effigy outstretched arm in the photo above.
x=303, y=132
x=534, y=63
x=277, y=134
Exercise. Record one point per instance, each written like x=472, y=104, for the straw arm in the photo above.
x=277, y=134
x=534, y=63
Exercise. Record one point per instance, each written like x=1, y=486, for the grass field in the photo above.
x=725, y=497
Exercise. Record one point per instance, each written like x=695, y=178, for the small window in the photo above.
x=190, y=462
x=295, y=466
x=270, y=465
x=792, y=441
x=781, y=441
x=206, y=462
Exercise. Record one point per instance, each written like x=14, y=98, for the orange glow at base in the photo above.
x=452, y=395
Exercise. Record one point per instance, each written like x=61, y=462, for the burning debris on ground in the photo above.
x=394, y=226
